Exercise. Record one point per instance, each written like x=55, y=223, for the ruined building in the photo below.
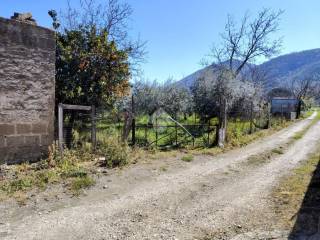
x=27, y=70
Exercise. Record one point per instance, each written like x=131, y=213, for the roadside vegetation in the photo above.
x=187, y=158
x=76, y=170
x=70, y=170
x=300, y=134
x=291, y=190
x=95, y=60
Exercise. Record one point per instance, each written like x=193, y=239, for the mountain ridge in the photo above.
x=280, y=71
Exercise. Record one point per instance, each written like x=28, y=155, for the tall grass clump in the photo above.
x=116, y=153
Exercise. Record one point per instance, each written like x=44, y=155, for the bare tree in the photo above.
x=305, y=88
x=241, y=45
x=113, y=17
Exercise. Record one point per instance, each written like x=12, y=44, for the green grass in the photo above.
x=79, y=183
x=301, y=133
x=68, y=170
x=238, y=129
x=187, y=158
x=277, y=151
x=164, y=168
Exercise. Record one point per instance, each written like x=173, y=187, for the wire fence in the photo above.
x=92, y=128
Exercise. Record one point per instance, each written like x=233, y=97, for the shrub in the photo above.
x=116, y=154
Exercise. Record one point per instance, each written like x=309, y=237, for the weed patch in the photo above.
x=163, y=168
x=277, y=151
x=69, y=169
x=79, y=183
x=116, y=154
x=187, y=158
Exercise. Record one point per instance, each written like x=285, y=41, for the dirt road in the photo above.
x=218, y=196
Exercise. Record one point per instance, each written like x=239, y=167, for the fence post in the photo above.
x=269, y=115
x=145, y=134
x=60, y=127
x=176, y=128
x=93, y=128
x=209, y=133
x=156, y=131
x=251, y=118
x=133, y=125
x=217, y=135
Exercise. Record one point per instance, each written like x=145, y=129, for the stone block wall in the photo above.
x=27, y=76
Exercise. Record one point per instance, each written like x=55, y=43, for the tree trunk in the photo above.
x=222, y=127
x=299, y=109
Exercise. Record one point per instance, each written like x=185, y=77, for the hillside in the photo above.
x=279, y=70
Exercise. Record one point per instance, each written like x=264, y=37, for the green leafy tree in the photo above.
x=95, y=57
x=90, y=69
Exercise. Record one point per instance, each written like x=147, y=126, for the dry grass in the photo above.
x=289, y=193
x=71, y=170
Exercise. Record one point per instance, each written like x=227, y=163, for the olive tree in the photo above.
x=150, y=96
x=241, y=45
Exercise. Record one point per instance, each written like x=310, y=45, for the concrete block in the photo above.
x=45, y=140
x=7, y=129
x=32, y=141
x=2, y=142
x=23, y=128
x=39, y=128
x=15, y=141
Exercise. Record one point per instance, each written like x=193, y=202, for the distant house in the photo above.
x=286, y=107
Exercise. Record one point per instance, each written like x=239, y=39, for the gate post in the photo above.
x=133, y=123
x=60, y=127
x=93, y=127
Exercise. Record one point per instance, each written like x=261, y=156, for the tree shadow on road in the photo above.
x=308, y=217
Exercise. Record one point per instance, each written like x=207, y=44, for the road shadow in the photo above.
x=307, y=225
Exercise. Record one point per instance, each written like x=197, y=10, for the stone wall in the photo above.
x=27, y=70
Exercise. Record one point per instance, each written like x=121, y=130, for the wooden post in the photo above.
x=93, y=128
x=217, y=135
x=133, y=125
x=60, y=127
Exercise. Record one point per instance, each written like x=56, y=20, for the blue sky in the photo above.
x=180, y=32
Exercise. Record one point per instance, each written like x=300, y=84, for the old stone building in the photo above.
x=27, y=70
